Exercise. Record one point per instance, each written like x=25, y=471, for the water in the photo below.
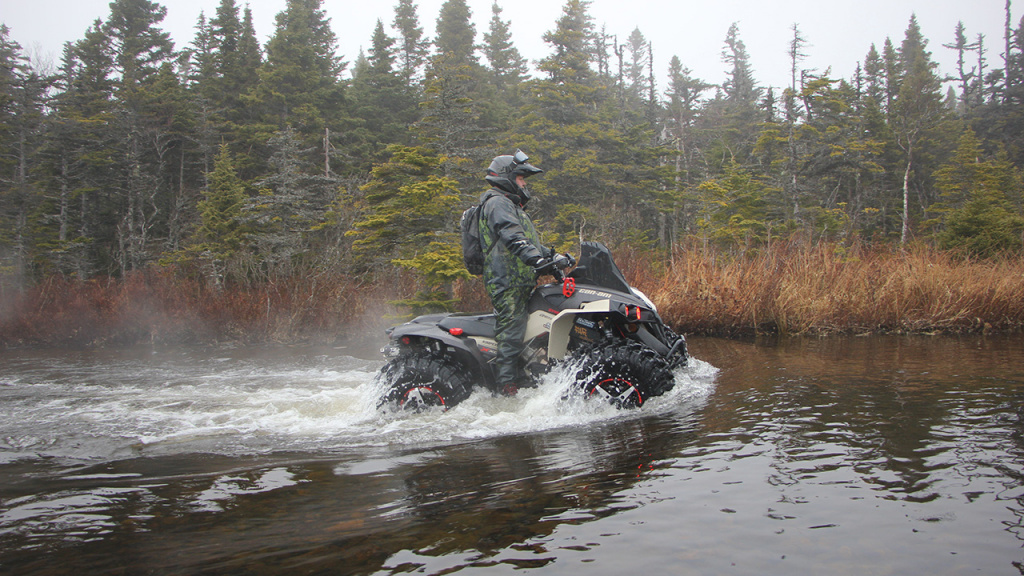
x=879, y=455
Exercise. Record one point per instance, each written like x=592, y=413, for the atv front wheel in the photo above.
x=623, y=373
x=417, y=382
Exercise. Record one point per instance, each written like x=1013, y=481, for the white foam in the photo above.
x=235, y=407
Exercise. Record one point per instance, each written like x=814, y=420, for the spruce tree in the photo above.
x=999, y=110
x=738, y=106
x=142, y=56
x=202, y=67
x=917, y=110
x=451, y=111
x=734, y=212
x=220, y=234
x=740, y=87
x=979, y=216
x=226, y=31
x=891, y=69
x=834, y=152
x=964, y=77
x=243, y=116
x=560, y=127
x=22, y=92
x=408, y=219
x=300, y=81
x=237, y=59
x=501, y=95
x=407, y=202
x=81, y=151
x=640, y=57
x=602, y=175
x=685, y=99
x=220, y=227
x=412, y=46
x=250, y=56
x=880, y=201
x=382, y=102
x=201, y=80
x=507, y=66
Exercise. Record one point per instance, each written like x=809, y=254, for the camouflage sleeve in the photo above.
x=500, y=215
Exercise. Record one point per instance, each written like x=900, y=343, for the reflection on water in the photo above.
x=843, y=456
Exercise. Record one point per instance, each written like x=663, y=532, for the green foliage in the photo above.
x=407, y=205
x=21, y=124
x=980, y=219
x=508, y=67
x=292, y=201
x=412, y=48
x=439, y=264
x=733, y=209
x=451, y=103
x=967, y=175
x=220, y=230
x=597, y=145
x=831, y=224
x=570, y=227
x=275, y=158
x=382, y=102
x=408, y=219
x=300, y=80
x=984, y=228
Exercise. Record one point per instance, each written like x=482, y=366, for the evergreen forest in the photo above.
x=241, y=176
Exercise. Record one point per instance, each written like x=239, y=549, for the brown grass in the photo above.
x=800, y=289
x=789, y=289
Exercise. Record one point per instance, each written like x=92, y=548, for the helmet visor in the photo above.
x=520, y=166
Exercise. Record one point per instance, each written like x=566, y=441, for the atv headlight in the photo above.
x=644, y=297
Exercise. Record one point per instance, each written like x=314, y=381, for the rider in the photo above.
x=511, y=268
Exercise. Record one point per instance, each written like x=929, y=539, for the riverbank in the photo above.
x=824, y=289
x=790, y=289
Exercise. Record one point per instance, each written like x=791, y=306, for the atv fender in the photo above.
x=432, y=332
x=558, y=341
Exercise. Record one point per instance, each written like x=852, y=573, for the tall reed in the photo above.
x=793, y=288
x=798, y=288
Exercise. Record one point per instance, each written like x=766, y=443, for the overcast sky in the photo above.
x=839, y=34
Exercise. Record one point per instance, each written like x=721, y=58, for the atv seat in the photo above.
x=472, y=325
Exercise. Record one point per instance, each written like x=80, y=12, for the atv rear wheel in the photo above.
x=623, y=373
x=417, y=382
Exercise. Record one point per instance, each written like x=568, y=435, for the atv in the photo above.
x=590, y=318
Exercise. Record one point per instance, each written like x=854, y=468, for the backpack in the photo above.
x=472, y=245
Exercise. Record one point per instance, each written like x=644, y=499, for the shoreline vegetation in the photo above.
x=789, y=289
x=231, y=191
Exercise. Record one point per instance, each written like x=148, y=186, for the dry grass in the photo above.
x=799, y=289
x=790, y=289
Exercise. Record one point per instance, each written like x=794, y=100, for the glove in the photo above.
x=542, y=266
x=551, y=265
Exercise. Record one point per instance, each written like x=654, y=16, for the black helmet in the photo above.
x=503, y=171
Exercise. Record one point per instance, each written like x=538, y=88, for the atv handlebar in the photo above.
x=555, y=265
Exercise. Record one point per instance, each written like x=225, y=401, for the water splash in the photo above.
x=234, y=406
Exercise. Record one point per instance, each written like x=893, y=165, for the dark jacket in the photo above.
x=510, y=263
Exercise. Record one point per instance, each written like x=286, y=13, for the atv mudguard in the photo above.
x=427, y=329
